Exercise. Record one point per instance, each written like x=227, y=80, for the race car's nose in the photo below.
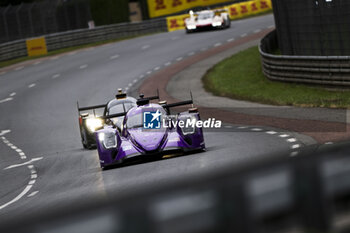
x=149, y=141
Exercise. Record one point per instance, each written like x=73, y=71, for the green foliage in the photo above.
x=241, y=77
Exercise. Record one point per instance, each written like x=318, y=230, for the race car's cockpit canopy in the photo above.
x=135, y=116
x=205, y=15
x=115, y=105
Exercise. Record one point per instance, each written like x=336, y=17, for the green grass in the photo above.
x=65, y=50
x=240, y=77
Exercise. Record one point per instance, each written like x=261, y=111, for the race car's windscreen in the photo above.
x=204, y=16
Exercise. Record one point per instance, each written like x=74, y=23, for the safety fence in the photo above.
x=309, y=192
x=236, y=11
x=324, y=70
x=41, y=18
x=56, y=41
x=313, y=28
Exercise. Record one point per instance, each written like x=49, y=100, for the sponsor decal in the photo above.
x=152, y=120
x=158, y=8
x=236, y=11
x=36, y=46
x=155, y=120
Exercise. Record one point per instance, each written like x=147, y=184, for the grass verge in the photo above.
x=65, y=50
x=240, y=77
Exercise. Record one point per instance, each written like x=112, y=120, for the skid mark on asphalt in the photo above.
x=33, y=173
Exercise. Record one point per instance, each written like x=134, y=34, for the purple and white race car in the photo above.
x=149, y=131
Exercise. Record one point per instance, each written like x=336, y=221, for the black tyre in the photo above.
x=85, y=141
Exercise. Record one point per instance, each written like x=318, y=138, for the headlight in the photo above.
x=191, y=27
x=94, y=123
x=109, y=140
x=190, y=126
x=217, y=24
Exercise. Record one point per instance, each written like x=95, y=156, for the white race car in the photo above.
x=207, y=19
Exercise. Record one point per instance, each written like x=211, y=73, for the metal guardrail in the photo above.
x=306, y=193
x=324, y=70
x=67, y=39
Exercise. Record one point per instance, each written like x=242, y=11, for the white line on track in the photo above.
x=24, y=192
x=271, y=132
x=256, y=129
x=142, y=76
x=33, y=175
x=130, y=85
x=83, y=66
x=191, y=53
x=24, y=164
x=294, y=153
x=31, y=182
x=231, y=39
x=257, y=30
x=228, y=126
x=31, y=85
x=126, y=88
x=149, y=72
x=19, y=68
x=6, y=100
x=217, y=44
x=145, y=47
x=37, y=63
x=271, y=26
x=33, y=194
x=242, y=127
x=135, y=81
x=329, y=143
x=114, y=57
x=244, y=35
x=283, y=135
x=12, y=94
x=157, y=68
x=291, y=140
x=168, y=63
x=55, y=76
x=179, y=58
x=3, y=132
x=295, y=146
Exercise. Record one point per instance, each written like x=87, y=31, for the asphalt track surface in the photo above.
x=42, y=163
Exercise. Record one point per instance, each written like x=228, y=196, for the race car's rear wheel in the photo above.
x=228, y=23
x=85, y=141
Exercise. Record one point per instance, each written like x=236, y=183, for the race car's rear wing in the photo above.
x=181, y=103
x=90, y=107
x=113, y=115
